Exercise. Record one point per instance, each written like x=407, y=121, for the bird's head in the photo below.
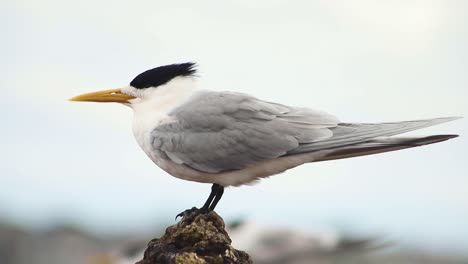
x=142, y=86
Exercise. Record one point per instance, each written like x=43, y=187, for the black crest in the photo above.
x=163, y=74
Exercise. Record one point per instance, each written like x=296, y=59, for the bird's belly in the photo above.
x=248, y=175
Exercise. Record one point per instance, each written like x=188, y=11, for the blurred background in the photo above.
x=74, y=184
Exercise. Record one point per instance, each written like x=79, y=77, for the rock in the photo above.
x=198, y=238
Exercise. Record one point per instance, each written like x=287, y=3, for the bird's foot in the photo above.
x=192, y=212
x=210, y=204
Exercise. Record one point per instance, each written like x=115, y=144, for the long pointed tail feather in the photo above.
x=351, y=134
x=384, y=145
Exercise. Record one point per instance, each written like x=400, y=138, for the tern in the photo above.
x=232, y=139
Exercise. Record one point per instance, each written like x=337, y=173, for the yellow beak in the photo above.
x=107, y=96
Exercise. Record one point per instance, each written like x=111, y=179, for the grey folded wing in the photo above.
x=347, y=134
x=220, y=131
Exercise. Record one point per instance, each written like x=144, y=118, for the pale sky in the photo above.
x=363, y=61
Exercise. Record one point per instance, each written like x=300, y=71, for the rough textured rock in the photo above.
x=198, y=238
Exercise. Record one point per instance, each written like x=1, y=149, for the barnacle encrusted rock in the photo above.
x=198, y=238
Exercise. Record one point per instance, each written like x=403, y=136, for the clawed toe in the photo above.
x=191, y=212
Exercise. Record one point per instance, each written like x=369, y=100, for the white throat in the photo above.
x=153, y=104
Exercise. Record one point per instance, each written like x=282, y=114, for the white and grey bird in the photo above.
x=231, y=139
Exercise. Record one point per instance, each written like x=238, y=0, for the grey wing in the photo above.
x=221, y=131
x=348, y=134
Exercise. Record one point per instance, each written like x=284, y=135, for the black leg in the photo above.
x=214, y=191
x=210, y=204
x=218, y=196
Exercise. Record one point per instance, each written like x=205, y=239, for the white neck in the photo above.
x=152, y=105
